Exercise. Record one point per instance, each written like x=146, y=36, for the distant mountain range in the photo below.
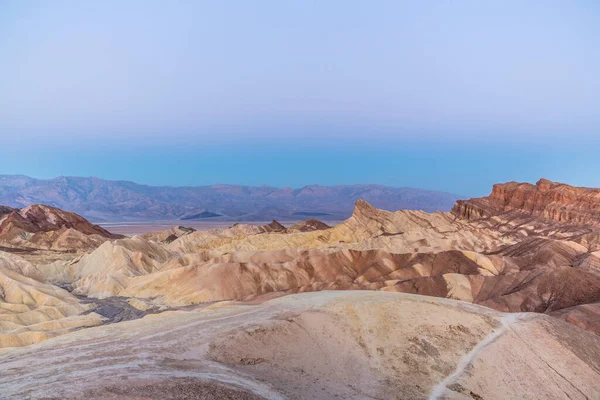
x=102, y=201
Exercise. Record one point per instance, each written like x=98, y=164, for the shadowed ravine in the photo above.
x=115, y=309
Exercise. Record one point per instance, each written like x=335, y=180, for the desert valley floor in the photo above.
x=497, y=299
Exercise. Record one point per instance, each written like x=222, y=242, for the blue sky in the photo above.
x=449, y=95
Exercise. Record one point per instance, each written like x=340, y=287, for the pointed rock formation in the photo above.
x=308, y=225
x=169, y=235
x=273, y=227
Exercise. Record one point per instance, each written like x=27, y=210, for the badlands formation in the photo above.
x=498, y=299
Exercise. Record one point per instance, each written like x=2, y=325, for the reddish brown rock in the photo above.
x=274, y=226
x=546, y=200
x=585, y=316
x=5, y=210
x=44, y=227
x=308, y=226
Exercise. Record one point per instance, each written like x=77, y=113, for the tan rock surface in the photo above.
x=308, y=225
x=169, y=235
x=367, y=228
x=406, y=251
x=31, y=311
x=367, y=345
x=258, y=334
x=507, y=260
x=585, y=316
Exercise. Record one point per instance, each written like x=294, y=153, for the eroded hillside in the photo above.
x=524, y=249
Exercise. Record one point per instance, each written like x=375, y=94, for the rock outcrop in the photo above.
x=169, y=235
x=546, y=200
x=274, y=226
x=245, y=261
x=308, y=226
x=42, y=227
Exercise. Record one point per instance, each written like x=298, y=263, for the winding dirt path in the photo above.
x=464, y=362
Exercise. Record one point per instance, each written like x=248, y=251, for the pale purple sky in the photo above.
x=393, y=92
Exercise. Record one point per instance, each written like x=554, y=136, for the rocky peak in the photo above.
x=273, y=227
x=42, y=218
x=47, y=218
x=544, y=185
x=362, y=207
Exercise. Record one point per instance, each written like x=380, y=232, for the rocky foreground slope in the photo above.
x=532, y=251
x=353, y=345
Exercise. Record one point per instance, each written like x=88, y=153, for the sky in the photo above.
x=442, y=95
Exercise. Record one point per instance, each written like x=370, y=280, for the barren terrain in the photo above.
x=499, y=298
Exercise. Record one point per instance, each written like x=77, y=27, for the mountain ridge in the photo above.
x=102, y=200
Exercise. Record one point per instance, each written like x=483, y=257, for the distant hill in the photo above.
x=202, y=215
x=101, y=200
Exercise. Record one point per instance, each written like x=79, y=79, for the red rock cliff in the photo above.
x=545, y=199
